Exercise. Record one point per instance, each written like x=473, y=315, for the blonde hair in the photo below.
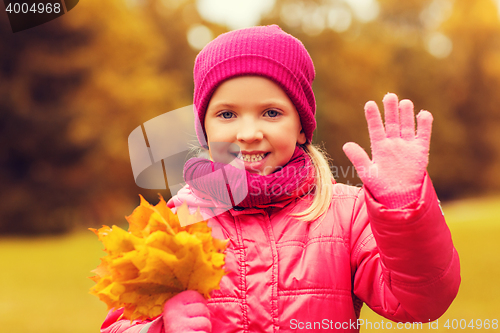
x=323, y=192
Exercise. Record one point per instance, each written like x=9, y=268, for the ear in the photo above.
x=301, y=139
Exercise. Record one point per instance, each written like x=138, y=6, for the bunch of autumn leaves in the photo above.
x=156, y=259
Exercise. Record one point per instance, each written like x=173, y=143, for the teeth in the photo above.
x=252, y=158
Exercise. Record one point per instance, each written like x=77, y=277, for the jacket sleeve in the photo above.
x=406, y=267
x=113, y=324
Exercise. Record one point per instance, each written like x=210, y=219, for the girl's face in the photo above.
x=254, y=114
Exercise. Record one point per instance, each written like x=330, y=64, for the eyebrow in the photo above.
x=223, y=105
x=265, y=104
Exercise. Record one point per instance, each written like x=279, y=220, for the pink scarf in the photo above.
x=231, y=186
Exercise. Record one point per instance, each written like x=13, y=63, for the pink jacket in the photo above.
x=291, y=276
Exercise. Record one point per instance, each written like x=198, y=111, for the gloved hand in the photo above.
x=395, y=174
x=186, y=312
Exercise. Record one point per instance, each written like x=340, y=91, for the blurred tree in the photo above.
x=38, y=164
x=470, y=86
x=72, y=91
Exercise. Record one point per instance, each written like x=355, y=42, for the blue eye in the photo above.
x=273, y=113
x=226, y=115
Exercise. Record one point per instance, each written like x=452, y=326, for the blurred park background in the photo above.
x=73, y=89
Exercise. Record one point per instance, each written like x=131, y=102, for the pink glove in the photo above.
x=186, y=312
x=396, y=173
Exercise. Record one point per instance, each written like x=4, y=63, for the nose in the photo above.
x=249, y=131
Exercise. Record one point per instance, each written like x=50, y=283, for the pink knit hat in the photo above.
x=266, y=51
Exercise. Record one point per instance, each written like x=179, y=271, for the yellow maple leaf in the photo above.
x=161, y=255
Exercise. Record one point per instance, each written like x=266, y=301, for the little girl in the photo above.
x=304, y=252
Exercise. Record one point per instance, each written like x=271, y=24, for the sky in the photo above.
x=236, y=14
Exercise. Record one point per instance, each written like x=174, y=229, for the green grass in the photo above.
x=44, y=285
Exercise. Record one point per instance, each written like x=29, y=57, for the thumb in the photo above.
x=357, y=155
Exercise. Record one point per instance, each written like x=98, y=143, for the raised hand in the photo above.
x=399, y=157
x=186, y=312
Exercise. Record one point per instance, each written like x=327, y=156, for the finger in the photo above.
x=407, y=119
x=375, y=126
x=357, y=156
x=391, y=112
x=197, y=310
x=200, y=324
x=424, y=126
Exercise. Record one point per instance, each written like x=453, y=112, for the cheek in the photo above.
x=209, y=130
x=217, y=132
x=285, y=150
x=288, y=143
x=222, y=152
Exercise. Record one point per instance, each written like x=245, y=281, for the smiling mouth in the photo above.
x=251, y=157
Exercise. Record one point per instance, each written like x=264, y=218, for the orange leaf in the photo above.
x=156, y=259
